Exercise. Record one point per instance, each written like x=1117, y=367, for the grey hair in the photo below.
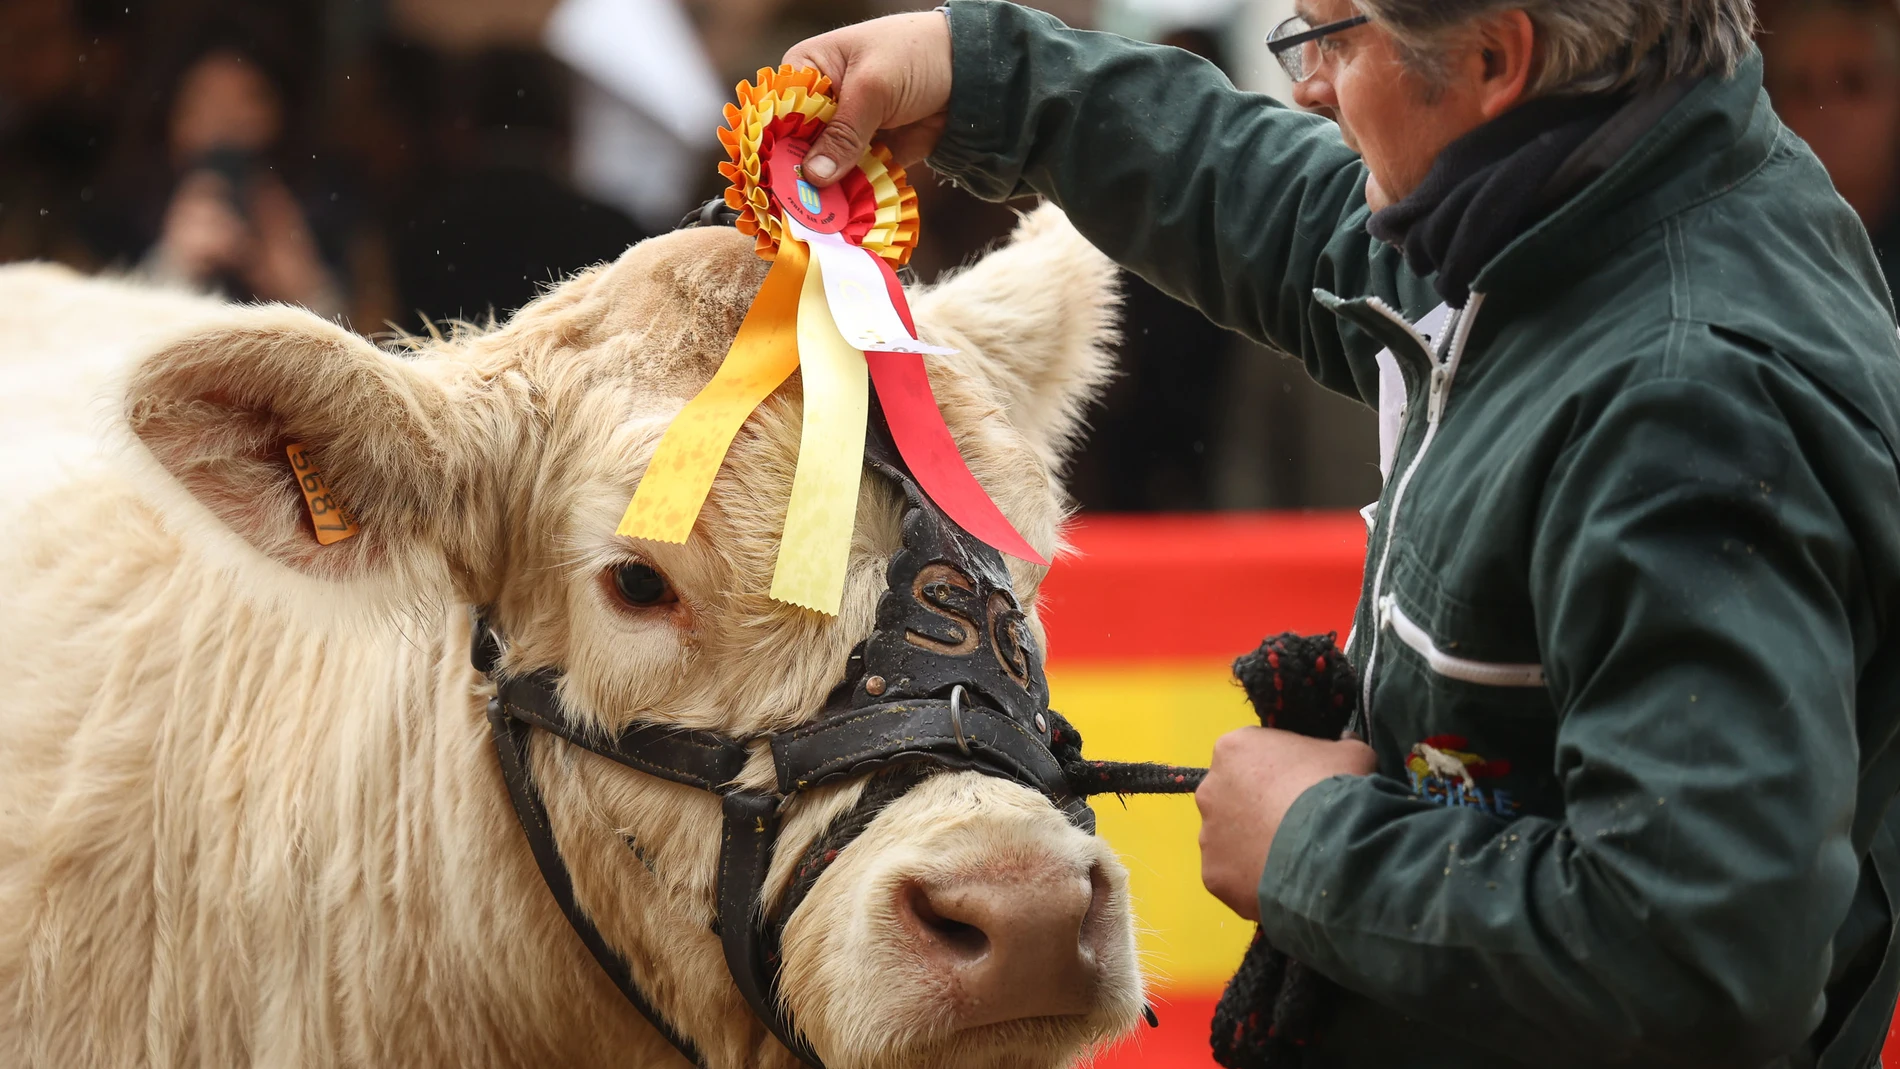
x=1590, y=46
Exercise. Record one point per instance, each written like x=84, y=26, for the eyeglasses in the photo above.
x=1295, y=43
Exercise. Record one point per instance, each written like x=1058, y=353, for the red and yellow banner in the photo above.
x=1146, y=678
x=1144, y=622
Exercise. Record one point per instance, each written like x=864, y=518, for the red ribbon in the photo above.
x=903, y=388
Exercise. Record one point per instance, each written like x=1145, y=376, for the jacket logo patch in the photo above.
x=1442, y=771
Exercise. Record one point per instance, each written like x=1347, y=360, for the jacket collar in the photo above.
x=1721, y=131
x=1489, y=186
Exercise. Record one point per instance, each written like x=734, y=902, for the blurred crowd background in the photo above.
x=400, y=163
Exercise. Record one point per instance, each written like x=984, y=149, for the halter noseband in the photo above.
x=950, y=679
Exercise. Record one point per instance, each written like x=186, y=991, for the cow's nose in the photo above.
x=1011, y=946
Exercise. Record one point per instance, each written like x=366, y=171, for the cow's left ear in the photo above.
x=407, y=448
x=1038, y=318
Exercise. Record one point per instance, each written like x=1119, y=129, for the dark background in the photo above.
x=401, y=163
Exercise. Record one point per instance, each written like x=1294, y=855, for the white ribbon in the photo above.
x=855, y=290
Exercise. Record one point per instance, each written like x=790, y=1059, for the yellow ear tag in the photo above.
x=331, y=522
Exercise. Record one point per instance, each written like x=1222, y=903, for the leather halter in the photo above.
x=950, y=679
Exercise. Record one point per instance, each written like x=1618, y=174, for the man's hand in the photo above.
x=1255, y=777
x=202, y=234
x=890, y=74
x=285, y=265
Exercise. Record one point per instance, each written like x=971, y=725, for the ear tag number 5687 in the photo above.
x=332, y=524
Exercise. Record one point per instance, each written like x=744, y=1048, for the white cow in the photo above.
x=249, y=812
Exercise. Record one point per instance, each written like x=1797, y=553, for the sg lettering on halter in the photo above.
x=949, y=680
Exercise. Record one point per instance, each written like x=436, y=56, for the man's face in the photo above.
x=1834, y=76
x=1388, y=114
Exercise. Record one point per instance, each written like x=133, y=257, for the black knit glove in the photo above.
x=1272, y=1007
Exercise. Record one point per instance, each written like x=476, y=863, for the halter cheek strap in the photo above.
x=511, y=737
x=698, y=759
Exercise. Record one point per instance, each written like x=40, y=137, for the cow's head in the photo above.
x=970, y=924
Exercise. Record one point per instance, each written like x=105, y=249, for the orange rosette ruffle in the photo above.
x=796, y=104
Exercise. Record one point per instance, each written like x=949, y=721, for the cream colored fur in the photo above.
x=250, y=815
x=63, y=342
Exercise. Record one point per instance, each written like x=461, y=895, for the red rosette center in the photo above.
x=848, y=207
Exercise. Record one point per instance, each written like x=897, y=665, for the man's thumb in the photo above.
x=845, y=137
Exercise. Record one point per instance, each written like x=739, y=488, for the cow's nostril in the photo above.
x=961, y=938
x=1011, y=943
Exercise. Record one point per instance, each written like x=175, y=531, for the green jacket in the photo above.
x=1628, y=623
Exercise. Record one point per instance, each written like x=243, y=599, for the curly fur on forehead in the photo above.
x=663, y=315
x=1035, y=324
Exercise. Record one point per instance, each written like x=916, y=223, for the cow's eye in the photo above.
x=641, y=585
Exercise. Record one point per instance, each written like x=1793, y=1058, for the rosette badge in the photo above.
x=767, y=135
x=831, y=307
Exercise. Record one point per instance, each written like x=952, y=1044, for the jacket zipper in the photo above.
x=1464, y=669
x=1443, y=372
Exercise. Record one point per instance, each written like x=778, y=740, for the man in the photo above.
x=1632, y=686
x=1832, y=69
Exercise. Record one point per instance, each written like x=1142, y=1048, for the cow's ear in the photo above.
x=403, y=447
x=1038, y=318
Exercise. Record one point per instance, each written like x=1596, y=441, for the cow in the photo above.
x=251, y=814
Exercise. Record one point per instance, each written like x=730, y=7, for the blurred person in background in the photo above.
x=231, y=221
x=648, y=75
x=496, y=218
x=1833, y=73
x=205, y=190
x=1154, y=448
x=60, y=63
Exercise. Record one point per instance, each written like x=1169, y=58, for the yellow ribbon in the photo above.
x=762, y=357
x=816, y=548
x=789, y=326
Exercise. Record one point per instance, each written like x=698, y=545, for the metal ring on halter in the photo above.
x=956, y=718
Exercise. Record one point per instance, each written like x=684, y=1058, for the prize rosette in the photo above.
x=767, y=135
x=832, y=308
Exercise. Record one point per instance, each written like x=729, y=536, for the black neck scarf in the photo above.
x=1490, y=186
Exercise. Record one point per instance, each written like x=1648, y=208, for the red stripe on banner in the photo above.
x=1180, y=1043
x=1208, y=586
x=1134, y=592
x=903, y=388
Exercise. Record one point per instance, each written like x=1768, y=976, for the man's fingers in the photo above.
x=804, y=54
x=863, y=106
x=891, y=74
x=1204, y=798
x=1361, y=759
x=864, y=103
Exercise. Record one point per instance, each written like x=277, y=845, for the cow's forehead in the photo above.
x=618, y=351
x=661, y=316
x=614, y=353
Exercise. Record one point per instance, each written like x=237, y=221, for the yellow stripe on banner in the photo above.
x=824, y=509
x=1173, y=713
x=763, y=355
